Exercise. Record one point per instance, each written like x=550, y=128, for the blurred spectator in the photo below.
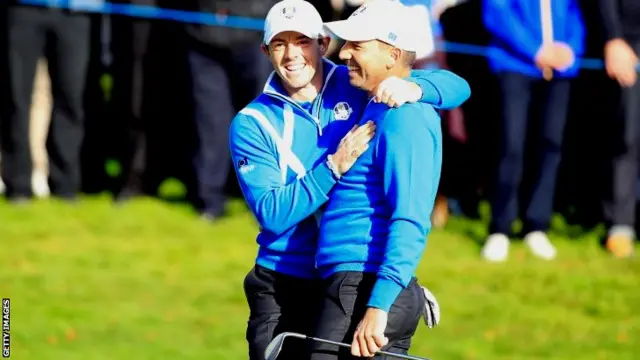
x=130, y=43
x=517, y=55
x=342, y=9
x=325, y=9
x=65, y=36
x=100, y=128
x=228, y=70
x=429, y=56
x=622, y=31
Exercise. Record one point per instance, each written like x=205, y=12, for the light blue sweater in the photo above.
x=378, y=216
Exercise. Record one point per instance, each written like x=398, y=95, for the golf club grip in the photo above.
x=399, y=356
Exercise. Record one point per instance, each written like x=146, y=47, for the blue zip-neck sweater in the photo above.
x=378, y=217
x=279, y=152
x=516, y=29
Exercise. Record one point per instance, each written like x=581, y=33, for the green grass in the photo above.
x=149, y=280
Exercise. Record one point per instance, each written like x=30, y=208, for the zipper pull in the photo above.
x=317, y=121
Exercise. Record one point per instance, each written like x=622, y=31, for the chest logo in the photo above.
x=342, y=111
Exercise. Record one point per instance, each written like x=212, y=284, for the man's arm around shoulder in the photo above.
x=441, y=88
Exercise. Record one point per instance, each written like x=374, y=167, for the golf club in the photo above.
x=275, y=346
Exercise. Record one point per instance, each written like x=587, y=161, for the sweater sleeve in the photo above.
x=441, y=88
x=610, y=13
x=410, y=153
x=277, y=206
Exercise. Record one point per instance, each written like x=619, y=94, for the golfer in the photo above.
x=289, y=147
x=374, y=229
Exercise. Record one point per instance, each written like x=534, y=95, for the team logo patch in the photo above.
x=289, y=11
x=244, y=166
x=342, y=111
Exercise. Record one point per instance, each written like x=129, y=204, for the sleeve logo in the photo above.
x=244, y=166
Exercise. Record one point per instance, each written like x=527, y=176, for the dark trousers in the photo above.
x=280, y=303
x=66, y=38
x=130, y=44
x=97, y=130
x=344, y=304
x=620, y=204
x=223, y=81
x=547, y=133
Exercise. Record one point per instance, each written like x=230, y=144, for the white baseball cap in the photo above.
x=385, y=20
x=293, y=15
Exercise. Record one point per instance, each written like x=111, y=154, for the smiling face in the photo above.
x=297, y=60
x=368, y=62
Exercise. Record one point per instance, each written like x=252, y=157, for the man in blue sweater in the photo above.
x=520, y=56
x=374, y=229
x=280, y=146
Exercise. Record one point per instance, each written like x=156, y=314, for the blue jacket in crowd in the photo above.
x=279, y=148
x=516, y=29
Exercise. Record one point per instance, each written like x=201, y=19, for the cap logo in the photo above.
x=289, y=11
x=392, y=37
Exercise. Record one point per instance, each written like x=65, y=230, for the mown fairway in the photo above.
x=150, y=281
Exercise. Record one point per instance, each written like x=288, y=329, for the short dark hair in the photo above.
x=409, y=58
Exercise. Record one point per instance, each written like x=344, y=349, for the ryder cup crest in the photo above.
x=342, y=111
x=289, y=11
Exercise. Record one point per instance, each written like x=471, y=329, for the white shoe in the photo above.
x=2, y=187
x=540, y=246
x=496, y=248
x=40, y=184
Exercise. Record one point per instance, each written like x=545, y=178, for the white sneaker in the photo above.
x=496, y=248
x=40, y=184
x=540, y=246
x=2, y=187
